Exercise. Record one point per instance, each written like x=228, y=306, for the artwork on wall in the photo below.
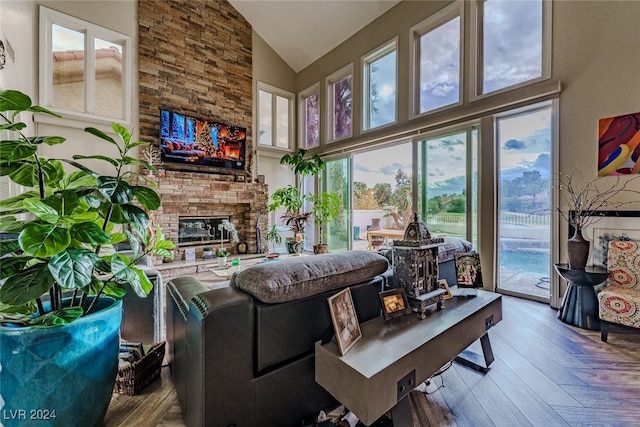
x=619, y=145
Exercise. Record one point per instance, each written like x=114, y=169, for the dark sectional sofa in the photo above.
x=243, y=354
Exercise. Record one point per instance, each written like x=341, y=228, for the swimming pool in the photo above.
x=526, y=261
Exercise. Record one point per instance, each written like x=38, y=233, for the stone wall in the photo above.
x=195, y=58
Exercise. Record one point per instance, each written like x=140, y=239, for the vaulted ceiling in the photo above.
x=301, y=31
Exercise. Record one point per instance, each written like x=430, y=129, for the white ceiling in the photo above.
x=301, y=31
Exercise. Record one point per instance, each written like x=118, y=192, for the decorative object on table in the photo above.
x=580, y=205
x=345, y=321
x=619, y=138
x=60, y=308
x=260, y=179
x=207, y=253
x=241, y=247
x=376, y=241
x=442, y=283
x=292, y=198
x=258, y=234
x=152, y=156
x=240, y=178
x=273, y=236
x=394, y=303
x=222, y=254
x=135, y=375
x=326, y=208
x=468, y=270
x=189, y=254
x=415, y=267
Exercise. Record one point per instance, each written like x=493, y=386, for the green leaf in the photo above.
x=115, y=190
x=7, y=168
x=54, y=140
x=114, y=289
x=133, y=242
x=101, y=135
x=145, y=284
x=122, y=132
x=42, y=210
x=114, y=162
x=16, y=150
x=26, y=285
x=26, y=174
x=60, y=317
x=77, y=180
x=117, y=238
x=13, y=100
x=90, y=232
x=81, y=167
x=39, y=109
x=73, y=268
x=10, y=224
x=17, y=126
x=147, y=197
x=17, y=201
x=137, y=217
x=8, y=247
x=130, y=275
x=44, y=240
x=11, y=265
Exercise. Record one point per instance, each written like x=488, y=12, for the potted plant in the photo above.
x=60, y=277
x=292, y=198
x=207, y=252
x=222, y=253
x=273, y=236
x=326, y=208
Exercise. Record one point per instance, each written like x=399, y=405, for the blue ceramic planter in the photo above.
x=61, y=376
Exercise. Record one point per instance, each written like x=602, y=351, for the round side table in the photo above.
x=580, y=303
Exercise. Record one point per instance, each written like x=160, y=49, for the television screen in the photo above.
x=191, y=141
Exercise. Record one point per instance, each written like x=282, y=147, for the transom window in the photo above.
x=380, y=97
x=85, y=68
x=309, y=122
x=275, y=117
x=437, y=60
x=339, y=95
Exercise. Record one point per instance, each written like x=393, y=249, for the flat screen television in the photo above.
x=190, y=141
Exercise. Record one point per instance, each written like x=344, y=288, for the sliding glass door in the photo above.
x=524, y=141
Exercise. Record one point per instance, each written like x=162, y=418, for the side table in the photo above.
x=580, y=303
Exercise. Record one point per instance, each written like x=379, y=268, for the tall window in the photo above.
x=512, y=43
x=379, y=69
x=275, y=117
x=85, y=68
x=437, y=57
x=339, y=95
x=309, y=121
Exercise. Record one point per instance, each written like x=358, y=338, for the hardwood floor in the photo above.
x=545, y=373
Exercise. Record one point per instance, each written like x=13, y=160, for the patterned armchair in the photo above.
x=619, y=300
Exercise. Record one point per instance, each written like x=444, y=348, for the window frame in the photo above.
x=366, y=61
x=434, y=21
x=344, y=72
x=302, y=115
x=275, y=93
x=476, y=61
x=50, y=17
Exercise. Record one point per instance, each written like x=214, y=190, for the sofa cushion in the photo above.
x=300, y=277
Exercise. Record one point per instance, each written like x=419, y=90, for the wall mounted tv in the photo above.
x=189, y=141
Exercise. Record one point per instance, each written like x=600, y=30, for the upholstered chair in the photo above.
x=619, y=300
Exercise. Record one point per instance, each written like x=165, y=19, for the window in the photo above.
x=339, y=95
x=379, y=70
x=512, y=43
x=437, y=60
x=309, y=108
x=275, y=117
x=85, y=68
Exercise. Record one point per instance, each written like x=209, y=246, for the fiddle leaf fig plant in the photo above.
x=58, y=235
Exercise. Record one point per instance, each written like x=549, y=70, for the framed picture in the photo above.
x=612, y=225
x=442, y=284
x=468, y=270
x=345, y=321
x=240, y=178
x=260, y=179
x=394, y=303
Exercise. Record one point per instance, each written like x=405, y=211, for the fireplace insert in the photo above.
x=201, y=230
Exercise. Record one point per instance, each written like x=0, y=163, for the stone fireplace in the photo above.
x=197, y=196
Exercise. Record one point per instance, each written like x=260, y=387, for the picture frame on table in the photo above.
x=442, y=284
x=394, y=303
x=344, y=319
x=468, y=270
x=612, y=225
x=260, y=179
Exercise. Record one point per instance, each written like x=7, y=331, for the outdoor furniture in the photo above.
x=384, y=234
x=619, y=301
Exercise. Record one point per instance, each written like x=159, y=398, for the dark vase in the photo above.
x=578, y=251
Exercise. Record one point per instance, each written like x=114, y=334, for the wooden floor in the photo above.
x=545, y=373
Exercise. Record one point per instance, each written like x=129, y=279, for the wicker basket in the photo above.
x=132, y=379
